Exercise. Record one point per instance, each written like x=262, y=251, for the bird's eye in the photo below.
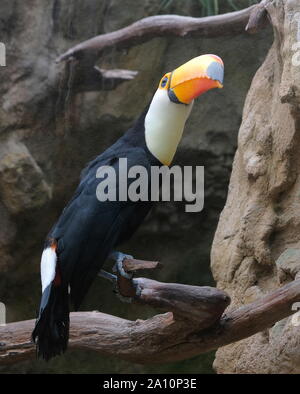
x=164, y=82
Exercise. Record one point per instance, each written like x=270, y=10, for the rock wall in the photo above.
x=47, y=135
x=257, y=243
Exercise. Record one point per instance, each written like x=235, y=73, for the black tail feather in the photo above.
x=51, y=332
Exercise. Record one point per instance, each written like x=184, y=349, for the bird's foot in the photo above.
x=118, y=267
x=107, y=275
x=114, y=280
x=123, y=282
x=138, y=289
x=128, y=299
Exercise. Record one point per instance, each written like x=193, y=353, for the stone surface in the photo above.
x=256, y=246
x=288, y=264
x=22, y=183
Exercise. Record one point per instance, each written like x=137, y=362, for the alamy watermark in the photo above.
x=155, y=183
x=2, y=314
x=295, y=321
x=2, y=55
x=296, y=45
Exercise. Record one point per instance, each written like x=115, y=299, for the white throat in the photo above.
x=164, y=124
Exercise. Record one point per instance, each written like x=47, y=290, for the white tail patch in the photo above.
x=48, y=267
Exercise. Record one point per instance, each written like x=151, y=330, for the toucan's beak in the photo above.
x=196, y=77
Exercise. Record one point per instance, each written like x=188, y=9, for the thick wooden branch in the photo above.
x=201, y=306
x=161, y=338
x=163, y=26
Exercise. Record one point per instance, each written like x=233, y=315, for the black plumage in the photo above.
x=87, y=232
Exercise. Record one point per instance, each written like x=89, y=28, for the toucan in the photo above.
x=88, y=231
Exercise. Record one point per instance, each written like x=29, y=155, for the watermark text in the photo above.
x=156, y=183
x=2, y=314
x=295, y=321
x=2, y=55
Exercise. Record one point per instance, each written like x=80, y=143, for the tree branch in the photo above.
x=82, y=75
x=80, y=78
x=161, y=26
x=258, y=18
x=162, y=338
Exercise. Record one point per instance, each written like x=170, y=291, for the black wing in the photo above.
x=88, y=230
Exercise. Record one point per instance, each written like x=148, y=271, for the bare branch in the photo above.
x=131, y=265
x=160, y=26
x=81, y=77
x=162, y=338
x=258, y=18
x=201, y=306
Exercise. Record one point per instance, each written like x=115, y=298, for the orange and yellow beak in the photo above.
x=195, y=77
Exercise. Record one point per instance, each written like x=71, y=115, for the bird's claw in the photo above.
x=138, y=289
x=128, y=300
x=118, y=267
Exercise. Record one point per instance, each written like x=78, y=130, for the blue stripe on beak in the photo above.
x=215, y=71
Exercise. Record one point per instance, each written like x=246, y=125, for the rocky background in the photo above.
x=48, y=134
x=257, y=244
